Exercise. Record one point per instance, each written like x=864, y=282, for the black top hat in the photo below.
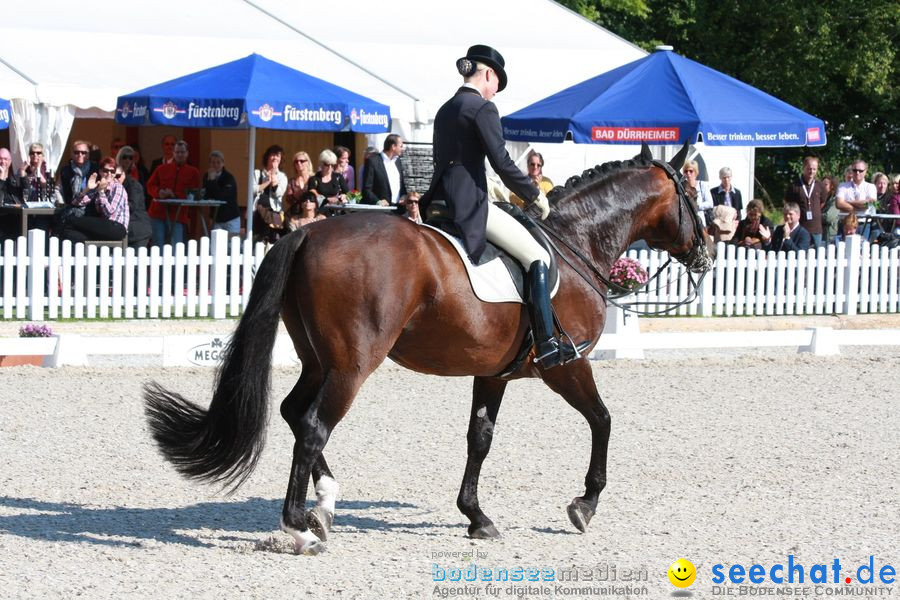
x=490, y=57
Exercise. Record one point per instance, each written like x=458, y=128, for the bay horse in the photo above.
x=424, y=318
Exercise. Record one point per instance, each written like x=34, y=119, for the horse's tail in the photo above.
x=223, y=443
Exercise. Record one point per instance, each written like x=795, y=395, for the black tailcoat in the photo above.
x=466, y=130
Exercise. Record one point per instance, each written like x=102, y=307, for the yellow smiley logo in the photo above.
x=682, y=573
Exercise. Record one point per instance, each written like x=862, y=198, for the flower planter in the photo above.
x=17, y=360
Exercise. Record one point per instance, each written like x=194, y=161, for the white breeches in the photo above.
x=509, y=234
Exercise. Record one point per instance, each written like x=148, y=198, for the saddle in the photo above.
x=498, y=277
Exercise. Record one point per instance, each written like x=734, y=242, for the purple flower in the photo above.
x=34, y=330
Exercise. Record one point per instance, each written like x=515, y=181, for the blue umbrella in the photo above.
x=664, y=98
x=5, y=111
x=253, y=92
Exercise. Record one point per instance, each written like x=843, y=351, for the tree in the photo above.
x=836, y=59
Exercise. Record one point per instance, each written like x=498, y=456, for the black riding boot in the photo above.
x=550, y=350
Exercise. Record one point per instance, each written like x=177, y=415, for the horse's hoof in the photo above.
x=310, y=548
x=485, y=532
x=580, y=513
x=319, y=522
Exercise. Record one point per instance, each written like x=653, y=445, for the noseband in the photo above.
x=697, y=259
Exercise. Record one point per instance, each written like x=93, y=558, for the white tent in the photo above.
x=61, y=60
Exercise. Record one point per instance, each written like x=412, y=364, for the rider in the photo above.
x=466, y=129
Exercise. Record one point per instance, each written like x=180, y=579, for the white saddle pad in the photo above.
x=491, y=281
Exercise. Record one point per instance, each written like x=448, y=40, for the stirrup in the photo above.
x=561, y=352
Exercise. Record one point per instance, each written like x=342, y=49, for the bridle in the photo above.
x=696, y=260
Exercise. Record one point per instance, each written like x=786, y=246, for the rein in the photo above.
x=689, y=259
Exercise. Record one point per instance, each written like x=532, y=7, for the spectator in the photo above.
x=297, y=185
x=749, y=230
x=412, y=207
x=848, y=174
x=360, y=177
x=830, y=214
x=343, y=165
x=10, y=194
x=115, y=145
x=269, y=185
x=143, y=174
x=304, y=211
x=170, y=180
x=790, y=236
x=698, y=190
x=882, y=191
x=858, y=194
x=95, y=154
x=219, y=184
x=725, y=194
x=72, y=182
x=849, y=226
x=168, y=150
x=894, y=205
x=107, y=218
x=139, y=229
x=384, y=182
x=724, y=223
x=535, y=163
x=34, y=178
x=328, y=183
x=809, y=194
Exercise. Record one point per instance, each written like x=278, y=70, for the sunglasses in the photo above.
x=79, y=152
x=128, y=157
x=109, y=171
x=35, y=153
x=858, y=170
x=535, y=165
x=301, y=160
x=689, y=171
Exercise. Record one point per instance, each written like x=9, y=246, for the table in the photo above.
x=334, y=209
x=25, y=212
x=180, y=203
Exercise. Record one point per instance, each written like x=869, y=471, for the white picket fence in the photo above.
x=844, y=278
x=212, y=278
x=209, y=278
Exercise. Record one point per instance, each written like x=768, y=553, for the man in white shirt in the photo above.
x=857, y=195
x=383, y=182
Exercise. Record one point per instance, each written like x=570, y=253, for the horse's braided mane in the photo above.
x=593, y=176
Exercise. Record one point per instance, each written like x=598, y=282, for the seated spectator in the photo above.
x=343, y=165
x=106, y=214
x=143, y=173
x=883, y=192
x=10, y=194
x=790, y=236
x=724, y=223
x=748, y=232
x=830, y=213
x=412, y=207
x=72, y=182
x=326, y=182
x=535, y=163
x=219, y=184
x=698, y=190
x=725, y=194
x=139, y=229
x=168, y=181
x=269, y=185
x=849, y=226
x=298, y=184
x=304, y=212
x=34, y=178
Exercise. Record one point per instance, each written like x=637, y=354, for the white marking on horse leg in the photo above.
x=326, y=493
x=481, y=412
x=305, y=542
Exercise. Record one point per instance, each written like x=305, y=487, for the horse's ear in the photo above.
x=645, y=151
x=678, y=160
